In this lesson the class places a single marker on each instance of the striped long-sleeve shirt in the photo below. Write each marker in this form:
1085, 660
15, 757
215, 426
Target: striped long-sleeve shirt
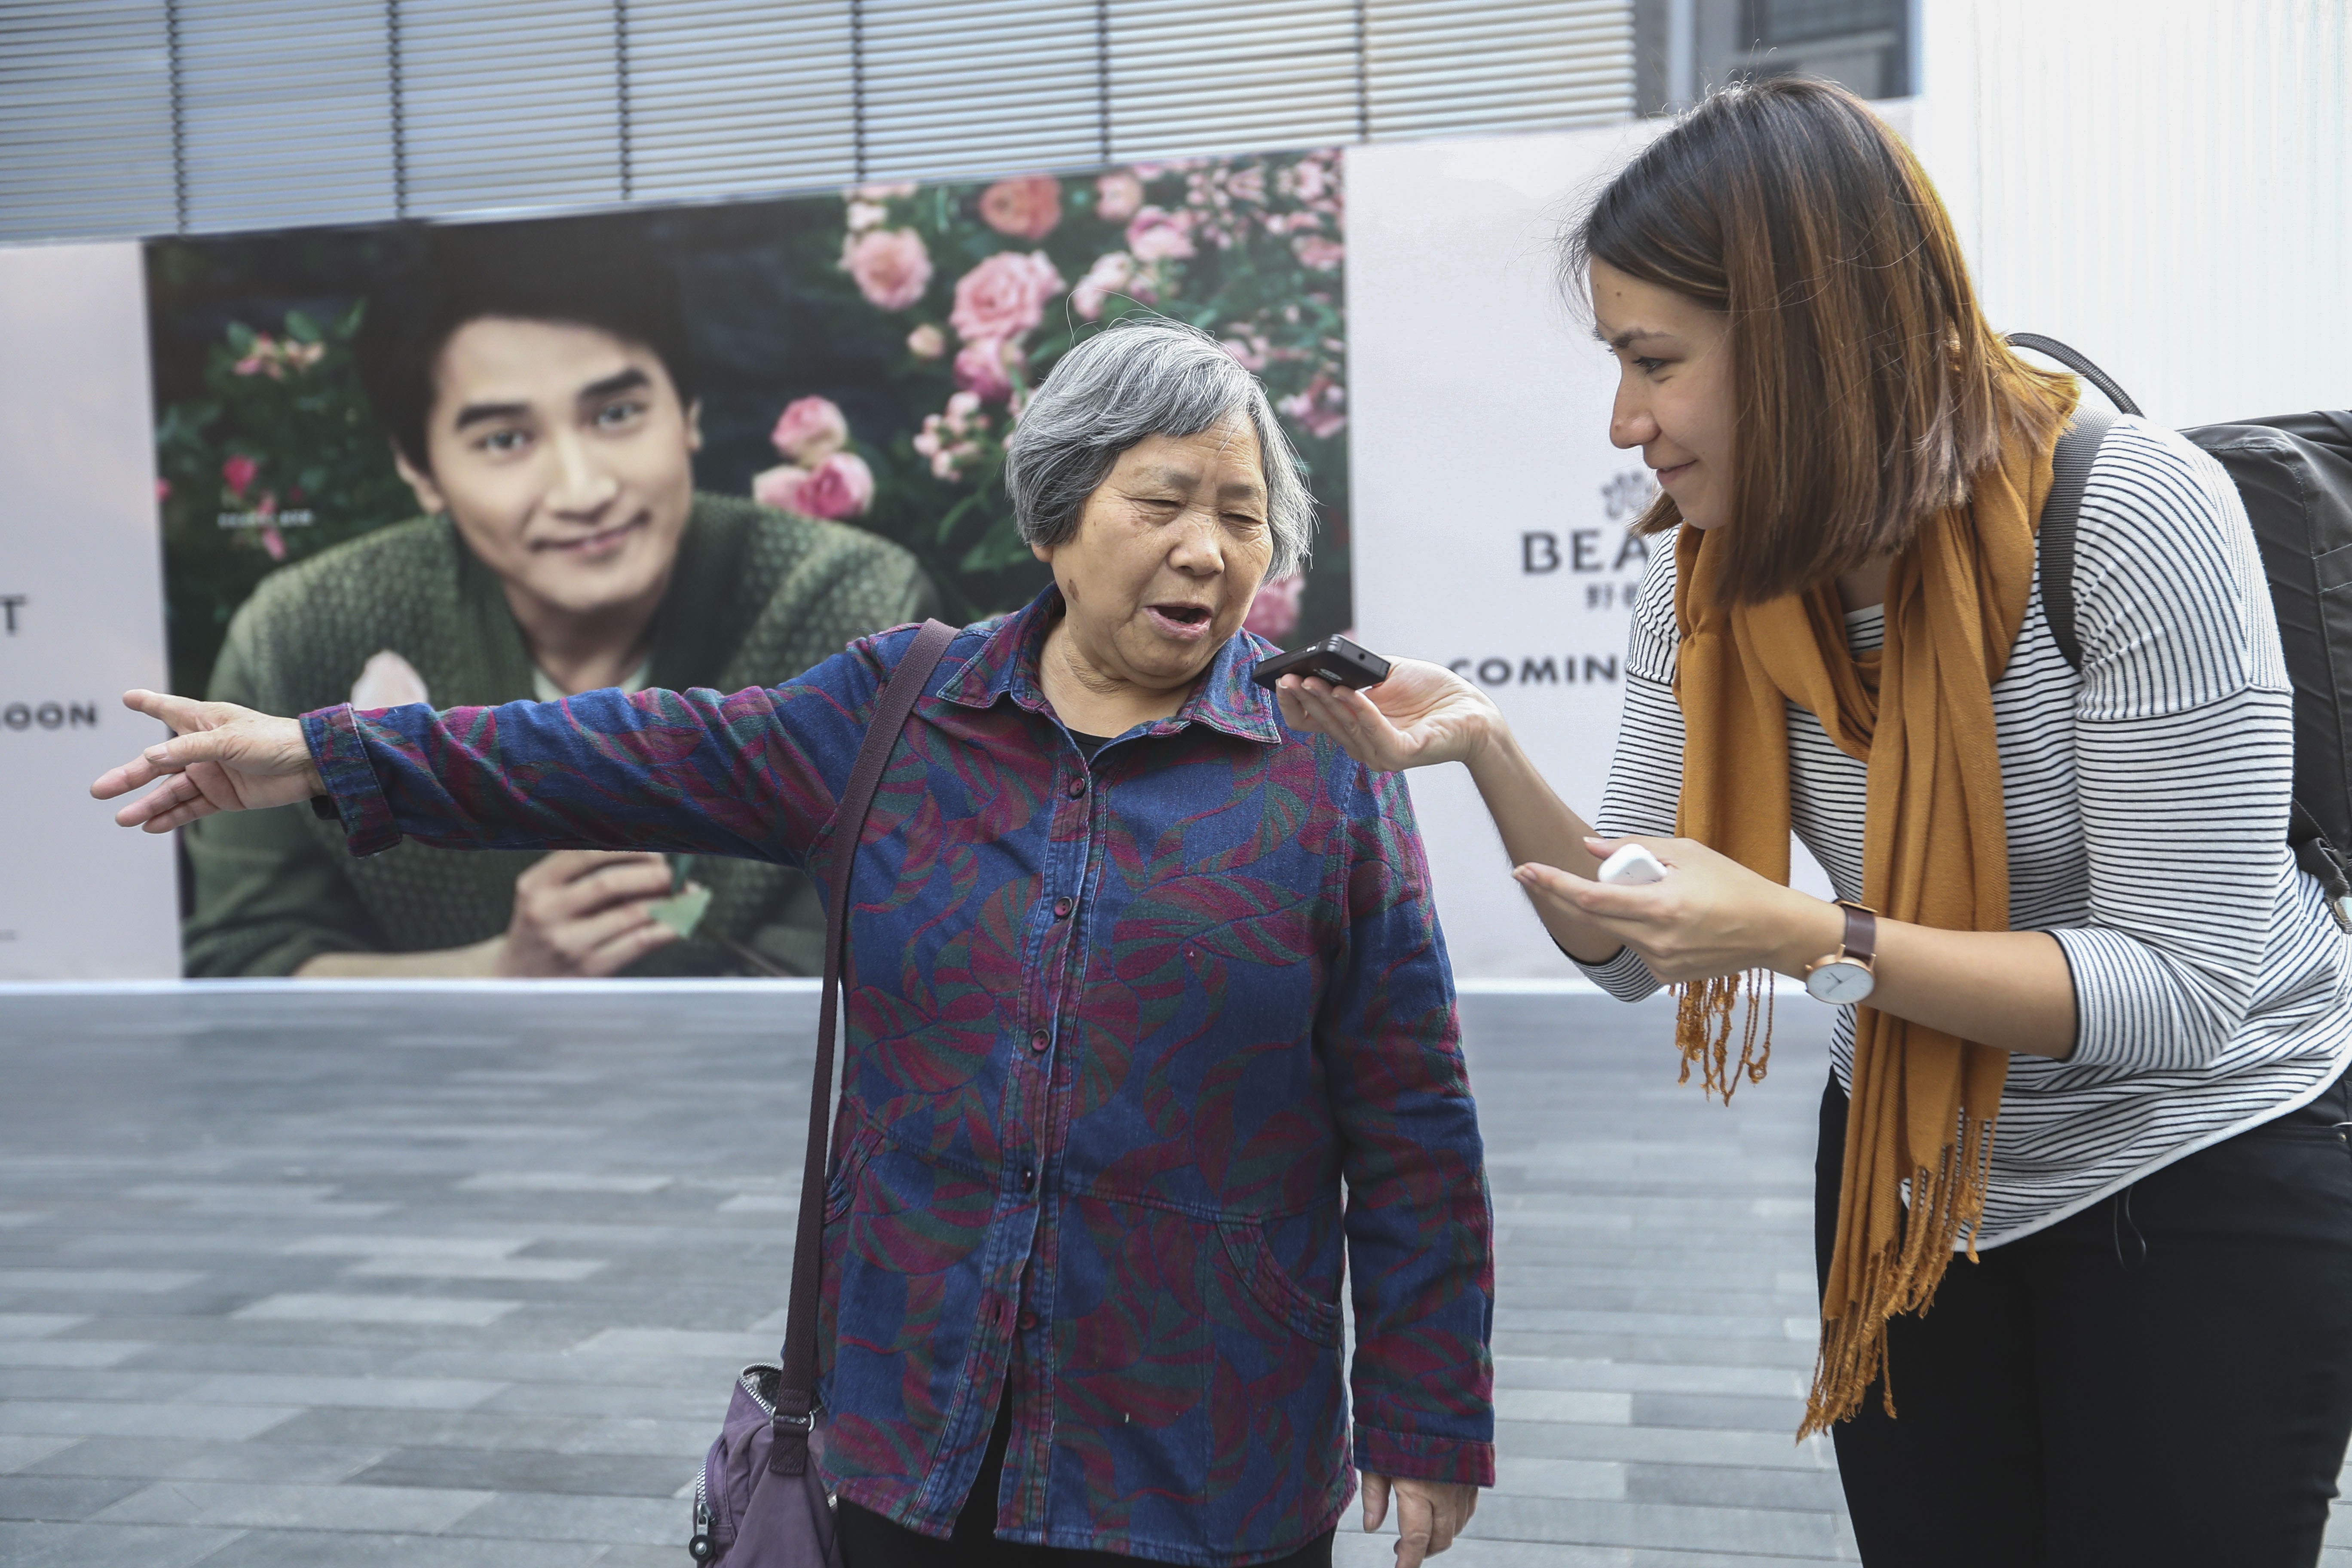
2147, 799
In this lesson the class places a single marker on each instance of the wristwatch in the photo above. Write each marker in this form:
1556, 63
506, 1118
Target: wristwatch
1845, 977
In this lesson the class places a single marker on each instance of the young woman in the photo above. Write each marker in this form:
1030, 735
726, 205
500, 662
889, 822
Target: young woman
2103, 1018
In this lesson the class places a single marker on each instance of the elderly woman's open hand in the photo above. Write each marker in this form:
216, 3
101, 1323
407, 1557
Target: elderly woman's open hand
1422, 713
222, 758
1709, 916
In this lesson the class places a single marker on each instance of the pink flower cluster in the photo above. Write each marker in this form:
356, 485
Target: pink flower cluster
952, 440
1321, 406
819, 478
997, 304
273, 359
1273, 614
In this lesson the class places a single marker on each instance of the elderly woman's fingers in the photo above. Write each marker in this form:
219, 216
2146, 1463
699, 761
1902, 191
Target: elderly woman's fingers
177, 802
1416, 1526
1376, 1501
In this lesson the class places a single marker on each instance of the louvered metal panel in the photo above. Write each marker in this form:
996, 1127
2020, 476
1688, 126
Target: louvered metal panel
979, 86
284, 124
509, 106
85, 119
1452, 67
727, 99
1196, 76
146, 116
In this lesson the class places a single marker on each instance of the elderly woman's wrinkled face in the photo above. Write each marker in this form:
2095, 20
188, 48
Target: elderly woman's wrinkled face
1168, 553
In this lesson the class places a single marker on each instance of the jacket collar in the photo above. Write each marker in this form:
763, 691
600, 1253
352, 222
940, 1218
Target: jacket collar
1226, 700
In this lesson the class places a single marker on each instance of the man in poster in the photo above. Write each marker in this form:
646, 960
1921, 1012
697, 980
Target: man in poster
541, 406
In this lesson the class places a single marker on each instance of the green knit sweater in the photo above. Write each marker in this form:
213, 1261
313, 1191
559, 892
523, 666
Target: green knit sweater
757, 596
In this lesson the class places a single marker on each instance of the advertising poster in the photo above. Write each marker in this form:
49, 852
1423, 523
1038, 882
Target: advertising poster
441, 464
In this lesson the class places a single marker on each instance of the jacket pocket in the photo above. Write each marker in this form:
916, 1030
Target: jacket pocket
1271, 1286
841, 1187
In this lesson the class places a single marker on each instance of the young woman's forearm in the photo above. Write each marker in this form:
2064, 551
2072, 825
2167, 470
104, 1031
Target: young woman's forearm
2009, 989
1536, 825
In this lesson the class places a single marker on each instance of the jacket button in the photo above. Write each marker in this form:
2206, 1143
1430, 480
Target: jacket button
1028, 1178
1028, 1321
1040, 1040
1062, 908
1077, 786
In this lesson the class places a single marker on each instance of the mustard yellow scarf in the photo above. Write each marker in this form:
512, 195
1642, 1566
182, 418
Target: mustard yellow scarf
1919, 716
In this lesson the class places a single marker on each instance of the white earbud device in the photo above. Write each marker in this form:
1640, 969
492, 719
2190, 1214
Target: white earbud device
1630, 866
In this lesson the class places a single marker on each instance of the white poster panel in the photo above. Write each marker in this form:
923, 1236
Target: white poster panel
1491, 512
81, 617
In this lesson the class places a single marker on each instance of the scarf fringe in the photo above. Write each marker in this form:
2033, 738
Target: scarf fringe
1703, 1029
1900, 1277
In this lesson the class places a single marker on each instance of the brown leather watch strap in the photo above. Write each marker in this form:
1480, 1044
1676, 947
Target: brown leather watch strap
1861, 933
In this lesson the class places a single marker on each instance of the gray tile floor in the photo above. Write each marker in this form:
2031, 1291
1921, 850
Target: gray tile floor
445, 1279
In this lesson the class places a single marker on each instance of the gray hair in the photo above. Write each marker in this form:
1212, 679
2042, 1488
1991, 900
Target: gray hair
1140, 376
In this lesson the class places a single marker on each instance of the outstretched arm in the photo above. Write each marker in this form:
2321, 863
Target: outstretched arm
747, 775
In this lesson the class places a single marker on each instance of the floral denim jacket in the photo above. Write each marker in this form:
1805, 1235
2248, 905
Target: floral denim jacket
1119, 1033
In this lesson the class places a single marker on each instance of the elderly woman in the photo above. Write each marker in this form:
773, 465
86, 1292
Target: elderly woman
1142, 975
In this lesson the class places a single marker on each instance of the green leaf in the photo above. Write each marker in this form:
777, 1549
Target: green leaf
240, 338
301, 328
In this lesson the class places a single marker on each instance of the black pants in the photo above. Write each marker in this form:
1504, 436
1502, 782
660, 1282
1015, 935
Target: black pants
2163, 1379
869, 1541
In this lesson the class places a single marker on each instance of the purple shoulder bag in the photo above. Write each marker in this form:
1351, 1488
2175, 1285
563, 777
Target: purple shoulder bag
758, 1502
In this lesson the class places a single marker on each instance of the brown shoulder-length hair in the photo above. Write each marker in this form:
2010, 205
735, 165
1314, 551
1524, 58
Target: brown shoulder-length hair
1869, 389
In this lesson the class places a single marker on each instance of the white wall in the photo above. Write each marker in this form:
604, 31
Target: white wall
2165, 184
79, 559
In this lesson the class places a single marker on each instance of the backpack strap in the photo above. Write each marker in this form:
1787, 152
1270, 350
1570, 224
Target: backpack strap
796, 1384
2070, 471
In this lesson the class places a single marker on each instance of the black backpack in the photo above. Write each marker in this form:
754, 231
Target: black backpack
2294, 474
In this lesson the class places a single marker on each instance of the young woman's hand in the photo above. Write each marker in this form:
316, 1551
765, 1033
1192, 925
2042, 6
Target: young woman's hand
1709, 916
1429, 1513
1422, 713
224, 758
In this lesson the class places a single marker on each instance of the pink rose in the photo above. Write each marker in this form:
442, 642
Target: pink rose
1117, 195
1273, 614
237, 474
1109, 274
1322, 254
162, 491
1026, 206
779, 486
1320, 407
810, 430
840, 486
890, 265
1004, 296
1156, 235
980, 369
927, 341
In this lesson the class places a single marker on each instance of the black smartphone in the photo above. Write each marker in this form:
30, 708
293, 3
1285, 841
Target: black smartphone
1335, 659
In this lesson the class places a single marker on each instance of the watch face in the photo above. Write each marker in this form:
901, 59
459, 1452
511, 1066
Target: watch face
1840, 982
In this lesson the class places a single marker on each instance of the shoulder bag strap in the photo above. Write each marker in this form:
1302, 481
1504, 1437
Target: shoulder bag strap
795, 1388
